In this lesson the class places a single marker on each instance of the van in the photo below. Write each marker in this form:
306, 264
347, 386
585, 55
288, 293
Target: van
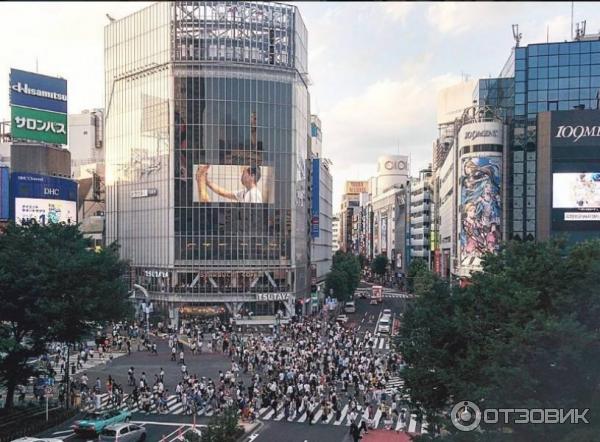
350, 307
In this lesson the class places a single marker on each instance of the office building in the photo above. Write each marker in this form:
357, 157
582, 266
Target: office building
421, 200
335, 234
207, 154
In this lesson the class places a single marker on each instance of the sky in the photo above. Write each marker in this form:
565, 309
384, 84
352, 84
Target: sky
375, 67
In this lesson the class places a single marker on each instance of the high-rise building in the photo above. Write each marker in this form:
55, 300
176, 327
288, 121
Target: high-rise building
335, 234
421, 200
321, 202
350, 205
206, 134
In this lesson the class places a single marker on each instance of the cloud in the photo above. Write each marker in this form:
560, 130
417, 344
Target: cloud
458, 17
389, 116
398, 11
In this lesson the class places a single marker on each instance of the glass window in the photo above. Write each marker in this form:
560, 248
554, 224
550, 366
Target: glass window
542, 95
553, 48
518, 167
573, 82
531, 200
553, 83
595, 46
595, 70
530, 189
595, 58
532, 73
518, 227
520, 53
533, 50
520, 87
563, 60
563, 94
532, 108
530, 225
519, 110
595, 82
585, 58
573, 94
530, 158
574, 48
574, 71
553, 60
518, 155
542, 72
584, 93
584, 70
584, 46
563, 48
532, 96
552, 105
563, 83
532, 85
563, 105
574, 59
563, 71
543, 49
542, 84
520, 65
553, 72
518, 191
518, 179
519, 98
533, 61
553, 94
520, 76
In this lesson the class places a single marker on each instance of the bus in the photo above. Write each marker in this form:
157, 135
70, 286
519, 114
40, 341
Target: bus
377, 295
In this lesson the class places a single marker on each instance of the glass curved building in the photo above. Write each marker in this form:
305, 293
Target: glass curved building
207, 139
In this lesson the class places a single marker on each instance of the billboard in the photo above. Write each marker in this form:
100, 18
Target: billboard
4, 193
384, 233
38, 125
488, 132
238, 184
480, 208
315, 200
38, 107
579, 192
36, 91
43, 198
356, 187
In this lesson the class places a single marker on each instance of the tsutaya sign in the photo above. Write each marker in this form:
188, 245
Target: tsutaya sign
272, 296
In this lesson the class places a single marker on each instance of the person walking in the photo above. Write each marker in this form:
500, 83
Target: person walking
354, 432
181, 358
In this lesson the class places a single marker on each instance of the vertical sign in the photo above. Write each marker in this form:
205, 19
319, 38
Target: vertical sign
316, 163
38, 105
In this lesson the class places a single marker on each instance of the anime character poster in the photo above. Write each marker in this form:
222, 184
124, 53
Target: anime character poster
480, 208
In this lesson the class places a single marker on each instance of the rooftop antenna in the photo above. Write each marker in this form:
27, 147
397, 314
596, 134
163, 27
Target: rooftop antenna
580, 30
516, 35
36, 65
572, 7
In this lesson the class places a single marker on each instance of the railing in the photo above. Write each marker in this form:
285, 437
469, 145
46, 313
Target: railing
31, 421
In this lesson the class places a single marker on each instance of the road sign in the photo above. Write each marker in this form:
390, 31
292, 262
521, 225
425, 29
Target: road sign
49, 391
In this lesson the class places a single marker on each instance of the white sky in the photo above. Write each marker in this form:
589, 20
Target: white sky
375, 67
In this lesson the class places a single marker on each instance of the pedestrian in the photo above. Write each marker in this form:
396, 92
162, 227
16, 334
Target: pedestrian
354, 432
181, 357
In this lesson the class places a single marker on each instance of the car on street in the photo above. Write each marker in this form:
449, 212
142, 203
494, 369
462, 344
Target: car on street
387, 313
342, 319
94, 422
123, 433
384, 325
350, 307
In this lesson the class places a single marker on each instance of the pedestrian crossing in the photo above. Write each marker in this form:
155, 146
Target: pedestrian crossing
411, 423
89, 364
387, 293
380, 343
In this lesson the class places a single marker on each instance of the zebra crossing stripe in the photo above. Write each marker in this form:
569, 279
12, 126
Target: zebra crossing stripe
376, 418
399, 424
381, 342
412, 426
424, 427
342, 415
317, 416
303, 417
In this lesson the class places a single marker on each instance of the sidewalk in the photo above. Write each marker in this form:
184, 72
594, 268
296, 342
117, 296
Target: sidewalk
385, 436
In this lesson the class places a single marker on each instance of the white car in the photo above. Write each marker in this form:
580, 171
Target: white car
384, 325
387, 312
342, 318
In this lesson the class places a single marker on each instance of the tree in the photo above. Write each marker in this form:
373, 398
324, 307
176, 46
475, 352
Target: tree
415, 268
53, 287
363, 261
524, 334
224, 427
344, 276
379, 266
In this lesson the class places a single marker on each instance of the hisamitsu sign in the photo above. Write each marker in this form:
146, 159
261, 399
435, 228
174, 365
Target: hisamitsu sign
29, 89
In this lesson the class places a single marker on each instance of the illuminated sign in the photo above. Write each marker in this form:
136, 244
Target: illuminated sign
357, 187
272, 296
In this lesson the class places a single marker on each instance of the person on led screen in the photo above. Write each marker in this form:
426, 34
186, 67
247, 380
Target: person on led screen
249, 194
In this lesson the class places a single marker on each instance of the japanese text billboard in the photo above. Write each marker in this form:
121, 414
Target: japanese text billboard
238, 184
38, 125
38, 107
43, 198
579, 192
480, 208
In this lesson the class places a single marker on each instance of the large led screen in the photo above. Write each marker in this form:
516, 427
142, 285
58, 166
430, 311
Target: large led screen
238, 184
45, 210
576, 190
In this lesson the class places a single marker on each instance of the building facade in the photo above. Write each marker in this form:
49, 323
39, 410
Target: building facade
335, 234
207, 153
421, 200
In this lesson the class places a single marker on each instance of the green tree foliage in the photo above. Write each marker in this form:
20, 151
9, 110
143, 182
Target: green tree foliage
379, 266
344, 276
224, 427
52, 286
525, 333
415, 268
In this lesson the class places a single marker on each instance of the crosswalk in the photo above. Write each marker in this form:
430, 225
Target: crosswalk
411, 424
89, 364
387, 293
381, 343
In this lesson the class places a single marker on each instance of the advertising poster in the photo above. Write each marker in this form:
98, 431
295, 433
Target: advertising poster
38, 125
480, 208
384, 232
576, 190
238, 184
45, 211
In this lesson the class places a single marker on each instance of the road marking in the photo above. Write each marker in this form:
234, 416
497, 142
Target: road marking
252, 437
376, 418
424, 427
381, 342
303, 417
62, 432
317, 416
167, 424
342, 415
412, 426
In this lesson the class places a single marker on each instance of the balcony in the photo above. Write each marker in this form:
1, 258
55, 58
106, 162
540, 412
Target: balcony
420, 219
419, 242
419, 253
419, 230
425, 206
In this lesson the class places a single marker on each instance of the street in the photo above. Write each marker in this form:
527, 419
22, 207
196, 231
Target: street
209, 365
